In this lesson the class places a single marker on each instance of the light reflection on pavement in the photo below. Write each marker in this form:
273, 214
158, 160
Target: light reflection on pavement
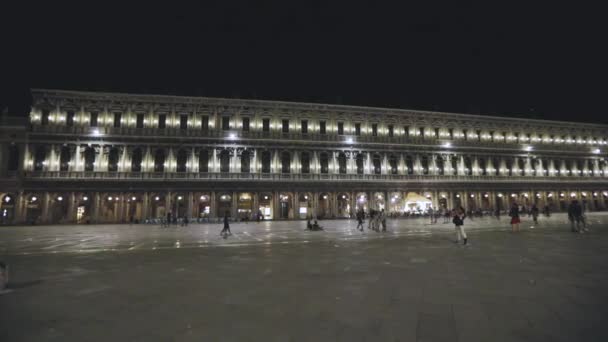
23, 240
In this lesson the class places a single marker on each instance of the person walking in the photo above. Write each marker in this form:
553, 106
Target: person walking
534, 211
431, 214
226, 229
515, 220
458, 220
169, 218
383, 220
360, 216
371, 220
575, 215
497, 214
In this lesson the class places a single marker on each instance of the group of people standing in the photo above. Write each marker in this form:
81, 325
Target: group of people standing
377, 219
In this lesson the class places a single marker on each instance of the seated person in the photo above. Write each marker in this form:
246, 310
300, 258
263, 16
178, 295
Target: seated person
308, 225
316, 226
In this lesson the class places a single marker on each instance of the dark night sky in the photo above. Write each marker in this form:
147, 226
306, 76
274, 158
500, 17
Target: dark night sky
543, 62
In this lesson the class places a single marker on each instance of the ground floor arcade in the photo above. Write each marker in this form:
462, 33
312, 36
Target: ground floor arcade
117, 207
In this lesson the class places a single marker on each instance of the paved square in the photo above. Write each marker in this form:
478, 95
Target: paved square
277, 282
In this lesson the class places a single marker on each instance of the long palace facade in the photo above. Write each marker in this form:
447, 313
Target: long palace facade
109, 157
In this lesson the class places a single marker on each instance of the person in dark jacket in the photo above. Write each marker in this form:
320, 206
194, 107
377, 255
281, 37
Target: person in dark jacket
534, 211
226, 229
514, 213
458, 220
575, 215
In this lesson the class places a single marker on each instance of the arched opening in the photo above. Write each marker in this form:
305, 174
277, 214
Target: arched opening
482, 166
58, 209
323, 210
305, 206
113, 160
180, 206
285, 162
39, 158
13, 157
158, 208
424, 161
305, 162
468, 167
7, 208
159, 160
244, 206
245, 161
64, 159
136, 159
377, 164
341, 163
362, 202
133, 208
225, 161
204, 206
392, 163
203, 161
324, 161
265, 206
224, 205
396, 203
379, 201
182, 161
409, 164
521, 167
285, 206
83, 208
89, 159
344, 209
360, 164
266, 157
440, 165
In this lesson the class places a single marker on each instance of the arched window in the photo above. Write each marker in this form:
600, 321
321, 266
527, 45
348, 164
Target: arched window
136, 160
245, 161
392, 161
509, 165
285, 162
203, 161
360, 164
225, 161
39, 157
409, 164
182, 161
324, 161
482, 165
266, 161
305, 162
113, 160
467, 165
521, 166
89, 159
377, 162
13, 158
64, 159
440, 165
159, 161
424, 161
342, 163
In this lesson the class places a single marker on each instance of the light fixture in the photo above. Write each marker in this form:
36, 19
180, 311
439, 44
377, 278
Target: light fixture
472, 195
305, 196
265, 197
84, 198
156, 198
34, 198
203, 198
110, 198
513, 195
485, 195
60, 198
457, 195
343, 196
179, 198
499, 195
7, 199
133, 198
324, 196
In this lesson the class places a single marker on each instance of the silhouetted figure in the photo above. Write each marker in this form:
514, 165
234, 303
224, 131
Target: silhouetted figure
226, 229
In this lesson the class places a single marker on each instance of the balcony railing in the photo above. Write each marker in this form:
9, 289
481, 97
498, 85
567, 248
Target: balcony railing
192, 176
347, 139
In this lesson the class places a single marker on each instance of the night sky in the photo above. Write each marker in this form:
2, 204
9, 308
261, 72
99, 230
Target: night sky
535, 62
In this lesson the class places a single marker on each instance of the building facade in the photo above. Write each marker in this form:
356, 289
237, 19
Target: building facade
108, 157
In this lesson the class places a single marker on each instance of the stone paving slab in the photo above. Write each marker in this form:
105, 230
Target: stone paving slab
539, 285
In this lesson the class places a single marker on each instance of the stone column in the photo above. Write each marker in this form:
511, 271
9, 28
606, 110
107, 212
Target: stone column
3, 159
190, 202
169, 204
256, 203
71, 208
96, 208
46, 199
212, 205
234, 206
275, 205
296, 205
145, 206
450, 200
